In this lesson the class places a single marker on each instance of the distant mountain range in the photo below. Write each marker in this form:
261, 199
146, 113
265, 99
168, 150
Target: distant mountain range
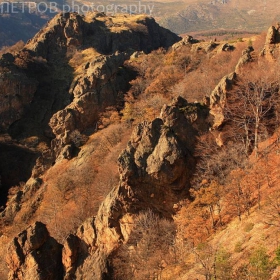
224, 14
20, 26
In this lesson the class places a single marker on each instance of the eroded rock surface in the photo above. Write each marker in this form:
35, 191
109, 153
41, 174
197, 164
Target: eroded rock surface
43, 95
217, 98
244, 59
34, 255
155, 169
272, 41
154, 174
49, 102
97, 88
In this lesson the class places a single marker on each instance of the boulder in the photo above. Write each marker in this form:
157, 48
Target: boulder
271, 35
33, 254
271, 42
187, 40
244, 59
217, 98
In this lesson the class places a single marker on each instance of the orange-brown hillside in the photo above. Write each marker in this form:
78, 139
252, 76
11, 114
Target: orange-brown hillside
153, 157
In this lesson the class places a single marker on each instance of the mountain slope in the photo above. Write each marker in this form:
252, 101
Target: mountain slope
110, 205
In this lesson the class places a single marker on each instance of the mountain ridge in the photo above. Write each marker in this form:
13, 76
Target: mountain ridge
128, 170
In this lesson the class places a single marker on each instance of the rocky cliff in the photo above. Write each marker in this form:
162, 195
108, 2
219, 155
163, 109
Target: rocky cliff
272, 41
78, 65
217, 98
53, 90
46, 57
154, 172
34, 255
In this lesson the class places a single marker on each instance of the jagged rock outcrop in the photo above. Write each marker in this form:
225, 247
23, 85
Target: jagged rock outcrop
44, 98
158, 150
187, 40
244, 59
271, 41
155, 169
217, 98
273, 36
34, 255
51, 48
105, 34
73, 102
93, 91
78, 247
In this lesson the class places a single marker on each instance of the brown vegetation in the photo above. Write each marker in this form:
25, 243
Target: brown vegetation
235, 183
185, 72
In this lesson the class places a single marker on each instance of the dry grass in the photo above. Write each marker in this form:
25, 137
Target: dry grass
3, 248
120, 22
74, 189
241, 238
80, 58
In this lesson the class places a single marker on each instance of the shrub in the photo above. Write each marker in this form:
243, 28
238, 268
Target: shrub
248, 227
259, 265
277, 253
148, 250
238, 247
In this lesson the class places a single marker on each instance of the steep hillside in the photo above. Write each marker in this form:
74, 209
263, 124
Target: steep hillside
65, 84
145, 155
67, 75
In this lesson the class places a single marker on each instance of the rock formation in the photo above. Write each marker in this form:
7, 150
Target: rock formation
99, 31
94, 90
73, 102
272, 40
49, 101
272, 36
46, 104
154, 174
187, 40
155, 169
34, 255
217, 98
244, 59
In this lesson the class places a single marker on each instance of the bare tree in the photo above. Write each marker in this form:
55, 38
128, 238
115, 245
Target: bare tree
206, 256
252, 104
148, 250
271, 213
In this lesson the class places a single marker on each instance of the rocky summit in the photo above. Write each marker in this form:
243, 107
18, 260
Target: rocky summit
63, 78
